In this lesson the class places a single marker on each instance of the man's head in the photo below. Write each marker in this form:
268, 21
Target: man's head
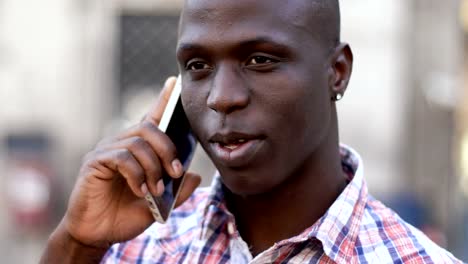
258, 81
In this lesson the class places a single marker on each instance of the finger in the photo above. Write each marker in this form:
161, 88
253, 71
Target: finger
191, 182
156, 111
139, 209
123, 162
160, 143
145, 156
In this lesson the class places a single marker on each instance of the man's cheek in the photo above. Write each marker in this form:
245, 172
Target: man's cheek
196, 119
193, 114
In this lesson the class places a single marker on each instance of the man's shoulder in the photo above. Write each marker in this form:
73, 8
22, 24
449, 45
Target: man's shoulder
385, 235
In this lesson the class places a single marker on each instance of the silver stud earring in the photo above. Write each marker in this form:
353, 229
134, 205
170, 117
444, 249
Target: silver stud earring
337, 97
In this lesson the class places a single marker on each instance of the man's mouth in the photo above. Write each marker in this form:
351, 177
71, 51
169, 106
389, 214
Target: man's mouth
235, 149
232, 139
233, 145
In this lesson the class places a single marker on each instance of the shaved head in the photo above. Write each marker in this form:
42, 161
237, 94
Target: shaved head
327, 13
320, 18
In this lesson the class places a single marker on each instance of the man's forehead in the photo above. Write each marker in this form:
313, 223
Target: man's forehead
227, 22
214, 5
210, 9
319, 17
303, 21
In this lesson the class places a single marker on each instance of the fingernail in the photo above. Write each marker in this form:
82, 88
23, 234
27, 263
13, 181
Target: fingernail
159, 188
144, 189
177, 167
168, 81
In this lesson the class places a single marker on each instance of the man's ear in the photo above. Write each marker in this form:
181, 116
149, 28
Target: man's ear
341, 68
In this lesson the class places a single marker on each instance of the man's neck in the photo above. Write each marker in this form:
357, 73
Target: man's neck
293, 206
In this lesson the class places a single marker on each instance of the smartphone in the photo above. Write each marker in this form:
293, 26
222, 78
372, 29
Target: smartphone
175, 124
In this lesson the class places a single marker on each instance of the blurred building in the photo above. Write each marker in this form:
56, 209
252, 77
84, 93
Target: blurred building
73, 71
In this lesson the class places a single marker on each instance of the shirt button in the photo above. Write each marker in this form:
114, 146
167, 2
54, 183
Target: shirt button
230, 227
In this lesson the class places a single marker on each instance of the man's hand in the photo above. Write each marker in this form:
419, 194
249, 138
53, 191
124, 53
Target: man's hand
107, 204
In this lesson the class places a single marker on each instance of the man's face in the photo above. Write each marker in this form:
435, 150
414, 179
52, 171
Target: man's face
255, 88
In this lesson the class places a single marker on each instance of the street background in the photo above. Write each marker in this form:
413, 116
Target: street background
73, 71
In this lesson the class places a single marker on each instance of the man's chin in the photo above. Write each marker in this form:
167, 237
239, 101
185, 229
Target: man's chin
246, 186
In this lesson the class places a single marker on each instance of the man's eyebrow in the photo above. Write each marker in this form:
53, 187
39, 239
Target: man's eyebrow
189, 46
263, 41
183, 47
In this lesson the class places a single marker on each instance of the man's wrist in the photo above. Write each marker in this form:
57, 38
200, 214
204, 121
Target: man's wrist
64, 248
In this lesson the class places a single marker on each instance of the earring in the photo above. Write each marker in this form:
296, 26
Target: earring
337, 97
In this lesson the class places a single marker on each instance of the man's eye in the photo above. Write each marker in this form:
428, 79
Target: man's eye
197, 66
256, 60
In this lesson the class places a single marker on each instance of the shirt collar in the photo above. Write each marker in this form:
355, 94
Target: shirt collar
337, 230
339, 227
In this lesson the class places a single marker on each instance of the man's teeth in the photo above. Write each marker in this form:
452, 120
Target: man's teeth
231, 147
235, 145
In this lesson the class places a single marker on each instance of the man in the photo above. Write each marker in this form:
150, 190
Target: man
260, 83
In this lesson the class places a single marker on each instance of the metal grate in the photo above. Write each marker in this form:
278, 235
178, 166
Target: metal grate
147, 51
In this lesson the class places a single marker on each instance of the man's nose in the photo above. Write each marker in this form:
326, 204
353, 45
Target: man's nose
229, 91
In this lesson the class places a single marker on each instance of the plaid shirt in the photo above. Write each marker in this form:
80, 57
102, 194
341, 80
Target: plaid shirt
356, 229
